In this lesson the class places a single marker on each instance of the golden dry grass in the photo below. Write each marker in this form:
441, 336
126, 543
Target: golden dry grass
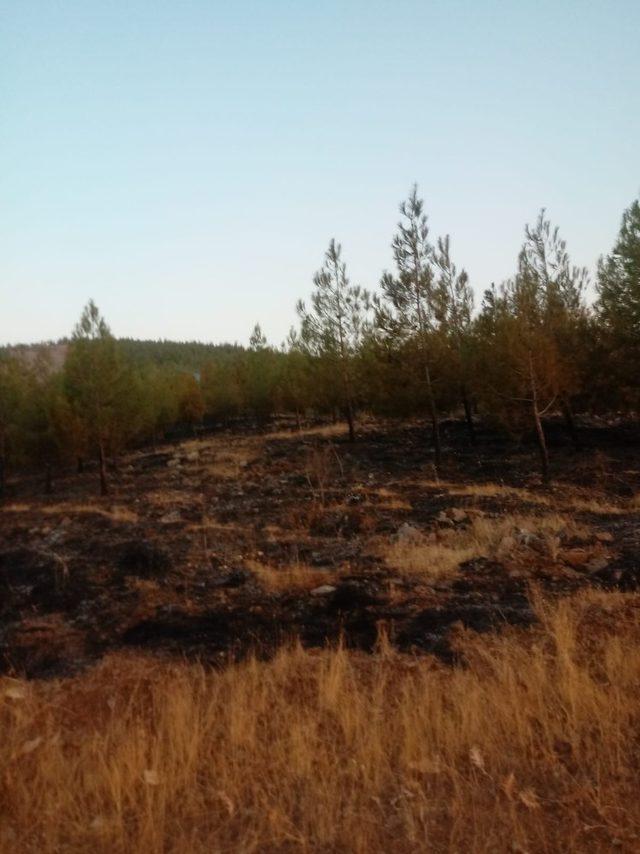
532, 747
294, 576
322, 431
566, 499
117, 513
230, 463
438, 555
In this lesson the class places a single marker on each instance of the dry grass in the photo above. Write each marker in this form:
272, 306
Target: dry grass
230, 463
389, 500
566, 499
439, 554
115, 513
295, 576
532, 747
323, 431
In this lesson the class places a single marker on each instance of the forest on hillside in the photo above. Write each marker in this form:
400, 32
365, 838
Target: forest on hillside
417, 347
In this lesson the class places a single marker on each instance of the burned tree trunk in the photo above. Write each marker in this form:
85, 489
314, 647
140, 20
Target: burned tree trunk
468, 414
435, 422
535, 411
104, 486
570, 423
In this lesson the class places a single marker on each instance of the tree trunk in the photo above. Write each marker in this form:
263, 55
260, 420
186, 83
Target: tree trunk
435, 423
570, 423
48, 479
350, 420
80, 465
467, 414
535, 411
298, 424
2, 475
104, 487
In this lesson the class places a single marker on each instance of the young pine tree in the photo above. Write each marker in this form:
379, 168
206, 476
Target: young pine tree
559, 292
619, 302
332, 329
96, 386
408, 307
453, 298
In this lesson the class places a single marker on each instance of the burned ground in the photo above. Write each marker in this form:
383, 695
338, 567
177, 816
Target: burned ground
241, 541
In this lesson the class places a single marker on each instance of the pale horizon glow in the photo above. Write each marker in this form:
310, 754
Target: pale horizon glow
186, 164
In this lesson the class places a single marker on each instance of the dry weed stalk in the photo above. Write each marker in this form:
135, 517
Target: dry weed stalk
533, 742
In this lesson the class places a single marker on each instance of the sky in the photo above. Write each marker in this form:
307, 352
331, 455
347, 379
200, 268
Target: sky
185, 164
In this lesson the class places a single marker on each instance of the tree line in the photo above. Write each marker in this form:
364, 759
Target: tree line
418, 346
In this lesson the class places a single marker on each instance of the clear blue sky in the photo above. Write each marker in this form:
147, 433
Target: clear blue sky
186, 163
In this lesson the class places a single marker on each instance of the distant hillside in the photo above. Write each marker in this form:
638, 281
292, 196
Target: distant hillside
190, 355
182, 354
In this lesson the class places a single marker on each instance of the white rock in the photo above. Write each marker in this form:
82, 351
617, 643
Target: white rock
323, 590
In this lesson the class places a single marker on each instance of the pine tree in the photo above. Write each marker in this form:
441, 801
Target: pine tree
453, 299
558, 288
96, 384
332, 329
619, 300
10, 398
408, 308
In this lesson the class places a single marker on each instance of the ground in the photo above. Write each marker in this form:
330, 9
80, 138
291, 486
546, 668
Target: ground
240, 541
401, 662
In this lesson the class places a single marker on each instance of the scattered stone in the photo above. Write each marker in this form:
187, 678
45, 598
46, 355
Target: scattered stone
604, 536
171, 517
408, 534
507, 545
597, 564
233, 579
323, 590
576, 558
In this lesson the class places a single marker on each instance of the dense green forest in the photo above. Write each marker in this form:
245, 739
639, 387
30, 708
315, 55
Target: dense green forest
417, 346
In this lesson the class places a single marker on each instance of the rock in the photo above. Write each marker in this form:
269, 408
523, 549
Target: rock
507, 545
458, 515
174, 463
444, 519
58, 535
323, 590
235, 578
192, 457
604, 537
597, 564
171, 517
576, 558
530, 540
408, 534
143, 559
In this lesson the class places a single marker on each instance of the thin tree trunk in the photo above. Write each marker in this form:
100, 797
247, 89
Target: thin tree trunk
542, 442
350, 420
298, 424
48, 479
467, 413
2, 475
80, 465
104, 487
570, 423
435, 423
